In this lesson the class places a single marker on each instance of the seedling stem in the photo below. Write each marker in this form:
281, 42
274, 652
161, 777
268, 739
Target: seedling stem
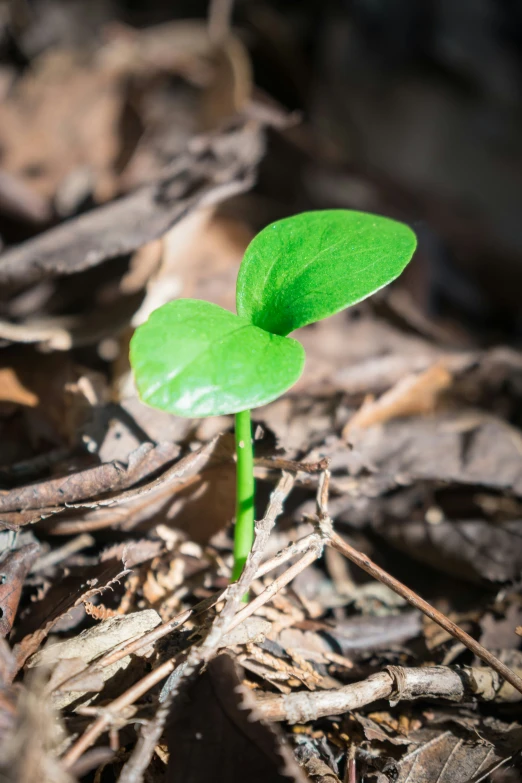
244, 533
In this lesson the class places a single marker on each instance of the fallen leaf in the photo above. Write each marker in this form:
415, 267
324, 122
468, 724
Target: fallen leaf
159, 498
61, 115
85, 648
447, 758
469, 549
468, 447
81, 583
216, 167
212, 734
412, 396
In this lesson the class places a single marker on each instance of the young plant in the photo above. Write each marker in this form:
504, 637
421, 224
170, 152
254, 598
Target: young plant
193, 358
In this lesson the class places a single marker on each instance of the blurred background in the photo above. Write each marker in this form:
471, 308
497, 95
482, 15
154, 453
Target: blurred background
409, 109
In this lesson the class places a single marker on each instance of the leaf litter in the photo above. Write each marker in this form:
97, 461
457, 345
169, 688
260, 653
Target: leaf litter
127, 656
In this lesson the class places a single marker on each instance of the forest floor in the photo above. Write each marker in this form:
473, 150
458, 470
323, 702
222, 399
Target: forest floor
135, 168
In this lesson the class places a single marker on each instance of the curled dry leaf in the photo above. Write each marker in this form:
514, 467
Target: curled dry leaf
111, 476
194, 481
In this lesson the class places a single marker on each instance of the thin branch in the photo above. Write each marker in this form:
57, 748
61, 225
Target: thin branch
324, 524
291, 466
275, 586
364, 562
135, 766
395, 683
303, 545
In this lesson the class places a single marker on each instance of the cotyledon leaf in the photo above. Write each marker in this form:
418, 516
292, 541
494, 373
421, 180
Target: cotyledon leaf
310, 266
193, 358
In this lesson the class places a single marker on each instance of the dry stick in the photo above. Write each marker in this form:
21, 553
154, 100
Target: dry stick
59, 554
203, 652
395, 683
364, 562
131, 695
275, 586
291, 466
136, 765
300, 546
133, 770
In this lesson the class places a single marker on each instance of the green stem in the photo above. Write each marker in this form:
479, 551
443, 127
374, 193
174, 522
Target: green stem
244, 532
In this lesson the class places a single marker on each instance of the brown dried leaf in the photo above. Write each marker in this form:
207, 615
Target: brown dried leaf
70, 657
468, 447
62, 596
469, 549
213, 736
29, 748
159, 498
62, 115
411, 396
98, 640
447, 759
215, 168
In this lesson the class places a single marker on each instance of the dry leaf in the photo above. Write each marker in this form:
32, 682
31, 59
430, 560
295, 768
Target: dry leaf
413, 396
215, 168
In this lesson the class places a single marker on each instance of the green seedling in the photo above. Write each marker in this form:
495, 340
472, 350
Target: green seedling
193, 358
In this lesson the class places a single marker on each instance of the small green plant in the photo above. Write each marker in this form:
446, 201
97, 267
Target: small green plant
193, 358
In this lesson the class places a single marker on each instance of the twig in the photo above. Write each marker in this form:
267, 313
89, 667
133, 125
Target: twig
303, 545
59, 554
395, 683
291, 466
201, 654
116, 707
351, 768
364, 562
275, 586
128, 648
